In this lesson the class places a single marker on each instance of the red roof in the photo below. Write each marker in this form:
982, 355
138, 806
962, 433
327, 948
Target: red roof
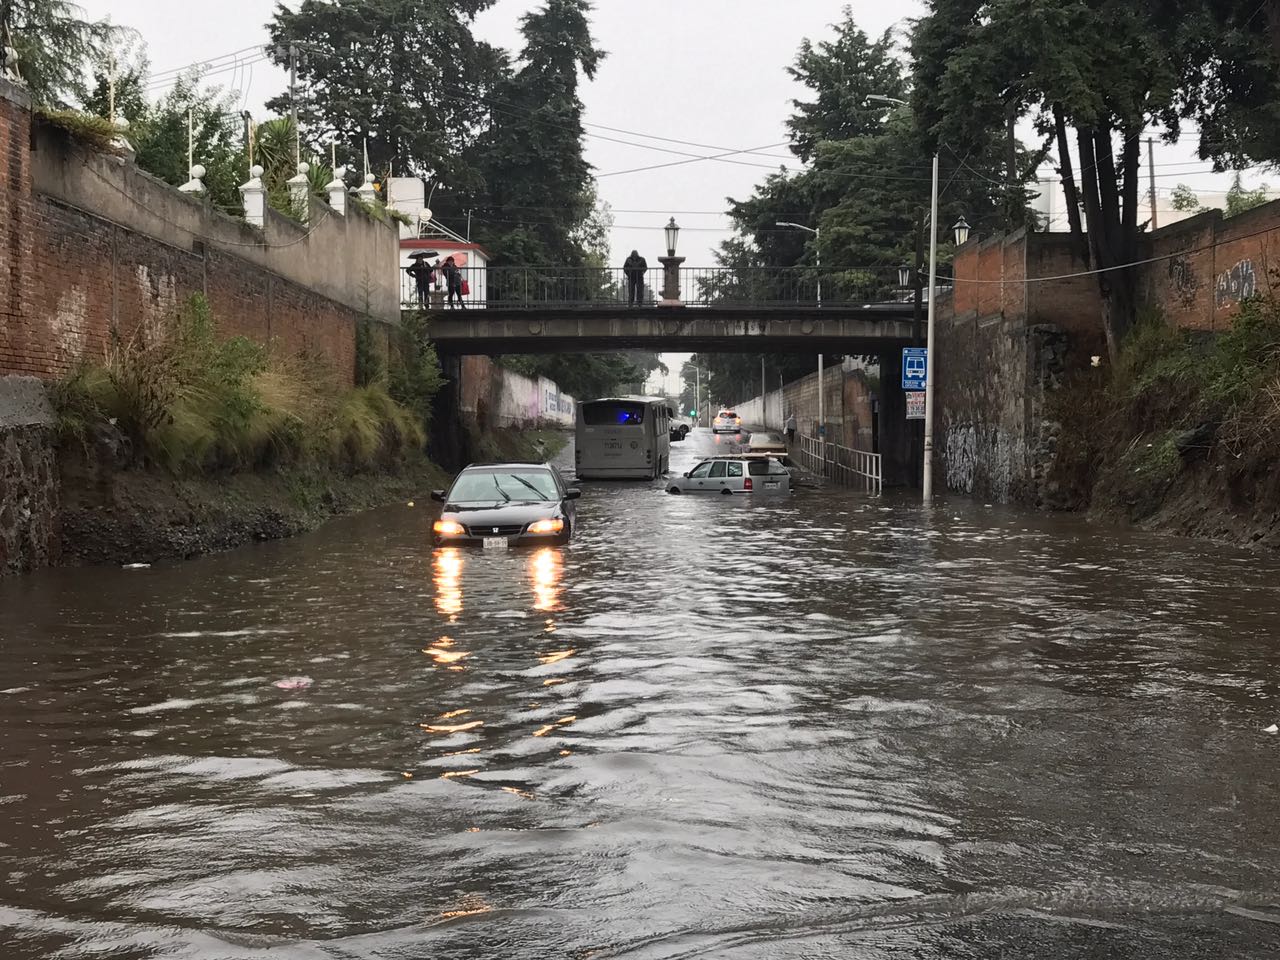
443, 243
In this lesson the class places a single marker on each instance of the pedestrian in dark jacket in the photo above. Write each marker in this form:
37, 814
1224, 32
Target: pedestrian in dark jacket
424, 277
452, 283
634, 268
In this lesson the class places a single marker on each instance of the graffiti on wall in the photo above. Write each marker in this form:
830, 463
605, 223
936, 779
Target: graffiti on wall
1238, 283
1183, 280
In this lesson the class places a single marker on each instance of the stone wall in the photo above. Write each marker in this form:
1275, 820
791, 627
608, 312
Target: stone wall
849, 406
29, 534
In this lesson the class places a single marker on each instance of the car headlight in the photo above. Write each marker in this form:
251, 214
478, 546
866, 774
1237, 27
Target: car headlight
448, 528
555, 525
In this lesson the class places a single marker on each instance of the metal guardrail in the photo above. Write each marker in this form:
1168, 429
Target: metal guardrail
533, 287
843, 465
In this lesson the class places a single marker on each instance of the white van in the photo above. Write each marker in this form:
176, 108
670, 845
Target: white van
623, 438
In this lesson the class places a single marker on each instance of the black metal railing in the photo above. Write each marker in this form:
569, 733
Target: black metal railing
532, 287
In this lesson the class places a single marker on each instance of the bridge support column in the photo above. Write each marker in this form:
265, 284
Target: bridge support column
670, 281
901, 440
448, 443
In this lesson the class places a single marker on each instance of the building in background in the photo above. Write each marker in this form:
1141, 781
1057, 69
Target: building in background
408, 196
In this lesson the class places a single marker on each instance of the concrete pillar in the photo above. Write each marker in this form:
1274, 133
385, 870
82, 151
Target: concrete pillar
670, 281
254, 196
337, 191
300, 192
195, 185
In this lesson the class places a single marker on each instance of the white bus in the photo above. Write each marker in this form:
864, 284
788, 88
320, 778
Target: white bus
623, 438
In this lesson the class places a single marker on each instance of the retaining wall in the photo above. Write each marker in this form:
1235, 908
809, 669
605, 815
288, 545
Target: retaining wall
29, 494
497, 397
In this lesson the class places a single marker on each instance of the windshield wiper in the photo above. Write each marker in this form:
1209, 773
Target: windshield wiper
540, 494
499, 488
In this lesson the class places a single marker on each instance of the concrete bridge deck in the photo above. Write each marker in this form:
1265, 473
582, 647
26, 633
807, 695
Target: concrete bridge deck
869, 328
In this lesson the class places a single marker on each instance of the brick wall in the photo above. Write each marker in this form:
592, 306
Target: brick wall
90, 245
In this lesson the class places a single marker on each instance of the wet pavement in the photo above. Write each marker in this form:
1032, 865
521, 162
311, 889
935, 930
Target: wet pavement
817, 726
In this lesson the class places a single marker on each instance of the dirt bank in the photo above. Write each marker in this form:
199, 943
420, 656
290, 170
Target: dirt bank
114, 514
1182, 435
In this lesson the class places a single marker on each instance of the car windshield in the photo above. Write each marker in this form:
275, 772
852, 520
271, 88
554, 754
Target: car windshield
612, 413
486, 486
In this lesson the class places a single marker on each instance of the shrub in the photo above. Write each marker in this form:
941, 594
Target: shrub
191, 402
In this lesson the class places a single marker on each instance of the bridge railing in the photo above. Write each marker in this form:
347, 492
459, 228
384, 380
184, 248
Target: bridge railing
534, 287
843, 465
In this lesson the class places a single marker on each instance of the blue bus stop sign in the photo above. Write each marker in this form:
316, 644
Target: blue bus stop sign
915, 367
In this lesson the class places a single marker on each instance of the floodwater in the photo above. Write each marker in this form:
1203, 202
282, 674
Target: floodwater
815, 727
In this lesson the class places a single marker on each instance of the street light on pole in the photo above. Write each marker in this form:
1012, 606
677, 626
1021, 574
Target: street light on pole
817, 253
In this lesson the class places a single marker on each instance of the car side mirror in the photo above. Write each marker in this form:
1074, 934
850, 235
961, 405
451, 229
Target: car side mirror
573, 493
437, 496
688, 475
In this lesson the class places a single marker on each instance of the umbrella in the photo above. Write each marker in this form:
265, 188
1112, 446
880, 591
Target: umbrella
423, 253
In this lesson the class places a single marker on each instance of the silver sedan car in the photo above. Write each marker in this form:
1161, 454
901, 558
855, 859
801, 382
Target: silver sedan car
734, 475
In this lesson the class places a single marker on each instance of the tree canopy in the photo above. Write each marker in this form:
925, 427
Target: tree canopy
403, 75
55, 46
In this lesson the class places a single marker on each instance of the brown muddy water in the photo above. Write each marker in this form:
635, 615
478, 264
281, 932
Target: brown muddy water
820, 726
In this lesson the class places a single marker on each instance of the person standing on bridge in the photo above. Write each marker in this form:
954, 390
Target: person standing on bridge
634, 268
452, 283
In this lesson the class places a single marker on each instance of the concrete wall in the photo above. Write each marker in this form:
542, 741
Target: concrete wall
848, 401
498, 397
28, 477
93, 246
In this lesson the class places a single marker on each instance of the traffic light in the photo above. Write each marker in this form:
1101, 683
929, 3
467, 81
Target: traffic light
693, 413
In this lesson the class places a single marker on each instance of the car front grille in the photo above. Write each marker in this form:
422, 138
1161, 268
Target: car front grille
502, 530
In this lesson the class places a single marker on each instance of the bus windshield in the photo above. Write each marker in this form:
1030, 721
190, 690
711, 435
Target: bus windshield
613, 413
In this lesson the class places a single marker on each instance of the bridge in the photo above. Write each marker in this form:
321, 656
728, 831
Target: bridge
753, 310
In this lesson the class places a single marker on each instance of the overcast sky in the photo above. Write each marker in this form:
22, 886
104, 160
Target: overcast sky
710, 72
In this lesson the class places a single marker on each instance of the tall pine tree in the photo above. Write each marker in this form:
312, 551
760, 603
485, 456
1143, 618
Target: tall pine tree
405, 74
538, 193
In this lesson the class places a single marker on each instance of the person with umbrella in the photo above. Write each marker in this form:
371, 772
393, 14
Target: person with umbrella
424, 275
454, 284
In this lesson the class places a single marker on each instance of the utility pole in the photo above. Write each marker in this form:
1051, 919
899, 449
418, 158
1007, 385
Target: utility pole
697, 395
111, 87
917, 283
191, 140
292, 54
247, 117
1151, 175
931, 371
763, 386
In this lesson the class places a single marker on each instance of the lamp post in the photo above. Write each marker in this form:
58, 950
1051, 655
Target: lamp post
671, 267
817, 254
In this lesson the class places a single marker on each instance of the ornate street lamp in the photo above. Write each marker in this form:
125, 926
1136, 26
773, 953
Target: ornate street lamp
672, 231
904, 276
961, 231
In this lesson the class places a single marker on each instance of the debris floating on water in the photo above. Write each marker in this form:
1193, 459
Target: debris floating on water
294, 683
410, 503
136, 566
1272, 729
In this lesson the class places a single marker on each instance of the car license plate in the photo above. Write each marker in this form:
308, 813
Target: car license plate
495, 543
772, 484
